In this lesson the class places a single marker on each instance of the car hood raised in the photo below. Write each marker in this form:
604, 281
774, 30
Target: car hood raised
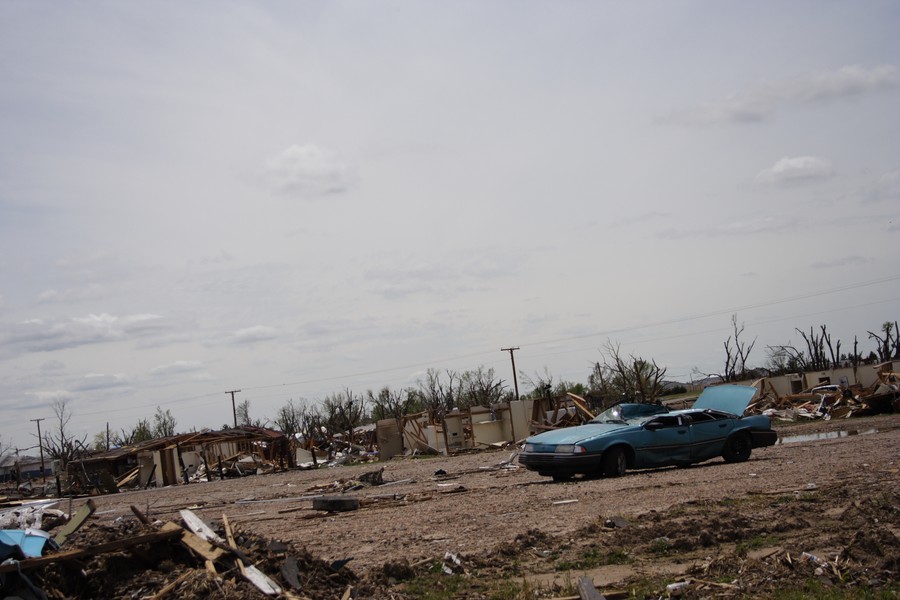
726, 398
573, 435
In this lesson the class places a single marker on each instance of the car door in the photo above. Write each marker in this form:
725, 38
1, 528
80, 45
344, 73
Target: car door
709, 430
664, 440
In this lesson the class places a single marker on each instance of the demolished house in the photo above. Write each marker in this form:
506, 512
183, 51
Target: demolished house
835, 394
477, 427
178, 459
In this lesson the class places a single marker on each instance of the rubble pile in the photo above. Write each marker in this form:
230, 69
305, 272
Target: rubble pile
829, 401
137, 558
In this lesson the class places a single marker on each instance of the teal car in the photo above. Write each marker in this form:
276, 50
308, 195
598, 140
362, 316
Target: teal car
641, 436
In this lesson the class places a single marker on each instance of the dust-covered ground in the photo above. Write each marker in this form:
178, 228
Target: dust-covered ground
475, 525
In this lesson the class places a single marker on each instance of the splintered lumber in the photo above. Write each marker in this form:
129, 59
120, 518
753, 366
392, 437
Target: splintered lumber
262, 582
581, 404
171, 586
140, 515
129, 477
201, 547
196, 524
229, 535
75, 524
147, 538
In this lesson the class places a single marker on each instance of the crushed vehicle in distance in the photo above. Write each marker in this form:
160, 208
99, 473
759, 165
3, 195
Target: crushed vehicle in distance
640, 436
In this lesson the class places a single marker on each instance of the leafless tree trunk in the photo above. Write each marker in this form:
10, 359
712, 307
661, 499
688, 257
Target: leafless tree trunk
627, 379
889, 345
58, 441
736, 356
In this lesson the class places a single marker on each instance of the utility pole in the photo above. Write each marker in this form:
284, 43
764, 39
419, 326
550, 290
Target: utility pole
233, 409
512, 357
41, 446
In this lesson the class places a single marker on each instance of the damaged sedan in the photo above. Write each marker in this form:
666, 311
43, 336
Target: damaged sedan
640, 436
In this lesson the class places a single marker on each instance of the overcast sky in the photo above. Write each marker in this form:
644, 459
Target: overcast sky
294, 198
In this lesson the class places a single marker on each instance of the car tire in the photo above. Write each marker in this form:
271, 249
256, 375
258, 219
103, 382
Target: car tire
737, 448
614, 462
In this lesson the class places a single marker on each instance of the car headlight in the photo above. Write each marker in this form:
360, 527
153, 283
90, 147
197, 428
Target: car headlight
529, 447
570, 449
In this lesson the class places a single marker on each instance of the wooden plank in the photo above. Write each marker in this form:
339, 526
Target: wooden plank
141, 516
148, 538
198, 545
262, 581
229, 535
587, 591
171, 586
76, 522
199, 527
581, 403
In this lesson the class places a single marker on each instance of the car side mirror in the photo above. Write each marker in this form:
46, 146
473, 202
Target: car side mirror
653, 426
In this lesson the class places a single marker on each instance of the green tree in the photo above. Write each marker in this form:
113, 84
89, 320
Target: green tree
163, 423
393, 404
141, 432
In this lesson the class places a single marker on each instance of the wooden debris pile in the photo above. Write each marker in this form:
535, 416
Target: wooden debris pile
137, 558
828, 401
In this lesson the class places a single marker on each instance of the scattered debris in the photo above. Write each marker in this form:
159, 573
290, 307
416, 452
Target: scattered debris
829, 401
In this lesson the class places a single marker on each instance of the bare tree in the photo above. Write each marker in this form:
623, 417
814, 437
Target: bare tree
815, 344
343, 412
480, 388
59, 443
889, 345
736, 355
289, 420
785, 358
440, 397
626, 379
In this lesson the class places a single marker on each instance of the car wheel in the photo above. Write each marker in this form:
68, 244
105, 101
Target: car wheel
737, 448
561, 477
614, 462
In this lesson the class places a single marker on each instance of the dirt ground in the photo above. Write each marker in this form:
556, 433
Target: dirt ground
476, 525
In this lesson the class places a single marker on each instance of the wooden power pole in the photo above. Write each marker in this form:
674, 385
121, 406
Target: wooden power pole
233, 408
41, 446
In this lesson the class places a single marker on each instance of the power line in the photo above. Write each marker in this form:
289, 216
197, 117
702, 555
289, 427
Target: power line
608, 332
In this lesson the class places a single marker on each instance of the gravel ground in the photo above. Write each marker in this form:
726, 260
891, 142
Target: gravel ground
473, 503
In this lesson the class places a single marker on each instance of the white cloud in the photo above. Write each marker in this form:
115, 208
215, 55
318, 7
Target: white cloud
308, 170
176, 368
99, 381
796, 169
760, 102
45, 335
50, 396
89, 292
885, 189
843, 261
258, 333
